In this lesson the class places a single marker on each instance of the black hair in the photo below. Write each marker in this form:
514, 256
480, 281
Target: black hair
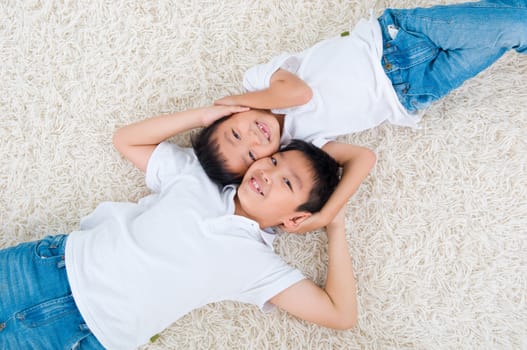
213, 162
325, 168
325, 174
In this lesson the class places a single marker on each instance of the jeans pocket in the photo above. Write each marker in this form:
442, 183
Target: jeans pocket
50, 249
47, 312
411, 49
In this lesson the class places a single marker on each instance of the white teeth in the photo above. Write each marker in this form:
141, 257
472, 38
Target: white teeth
255, 184
260, 126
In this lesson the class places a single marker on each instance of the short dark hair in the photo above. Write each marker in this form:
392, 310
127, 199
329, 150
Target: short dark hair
325, 174
325, 168
213, 162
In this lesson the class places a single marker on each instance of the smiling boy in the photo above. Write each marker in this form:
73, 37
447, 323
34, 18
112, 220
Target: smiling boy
134, 268
386, 69
227, 146
248, 136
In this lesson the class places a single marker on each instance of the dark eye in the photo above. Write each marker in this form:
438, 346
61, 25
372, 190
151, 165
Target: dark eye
251, 155
273, 160
288, 183
235, 134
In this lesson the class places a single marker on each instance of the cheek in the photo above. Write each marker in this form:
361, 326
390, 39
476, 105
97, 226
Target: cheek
280, 204
268, 150
233, 160
233, 166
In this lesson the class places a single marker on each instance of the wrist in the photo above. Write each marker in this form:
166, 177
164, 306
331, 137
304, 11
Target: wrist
336, 226
336, 223
231, 100
323, 218
235, 100
205, 117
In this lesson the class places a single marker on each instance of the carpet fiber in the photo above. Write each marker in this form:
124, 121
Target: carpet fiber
437, 231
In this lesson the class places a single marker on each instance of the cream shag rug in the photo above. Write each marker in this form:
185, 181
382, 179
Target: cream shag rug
437, 231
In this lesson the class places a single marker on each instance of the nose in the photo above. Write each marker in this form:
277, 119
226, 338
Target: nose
266, 176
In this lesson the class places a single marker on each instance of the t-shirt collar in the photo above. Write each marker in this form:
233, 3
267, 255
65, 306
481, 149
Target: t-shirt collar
268, 234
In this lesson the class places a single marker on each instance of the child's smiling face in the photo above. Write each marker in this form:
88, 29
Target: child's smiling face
274, 187
247, 136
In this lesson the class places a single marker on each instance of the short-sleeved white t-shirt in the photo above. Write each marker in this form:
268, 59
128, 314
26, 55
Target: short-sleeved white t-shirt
351, 91
135, 268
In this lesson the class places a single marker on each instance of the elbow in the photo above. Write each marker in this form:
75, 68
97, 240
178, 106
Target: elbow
350, 324
346, 318
346, 322
299, 93
115, 139
304, 95
372, 158
118, 140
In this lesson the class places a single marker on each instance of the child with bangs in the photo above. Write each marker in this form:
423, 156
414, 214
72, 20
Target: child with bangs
132, 269
387, 69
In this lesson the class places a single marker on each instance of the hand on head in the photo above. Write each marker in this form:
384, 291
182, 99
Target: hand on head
213, 113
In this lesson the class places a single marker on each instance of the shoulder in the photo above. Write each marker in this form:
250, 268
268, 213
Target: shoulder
169, 160
168, 154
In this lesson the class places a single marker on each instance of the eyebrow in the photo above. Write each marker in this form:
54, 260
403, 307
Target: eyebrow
296, 178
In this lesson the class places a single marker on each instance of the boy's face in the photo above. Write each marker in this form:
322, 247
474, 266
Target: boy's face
274, 187
247, 136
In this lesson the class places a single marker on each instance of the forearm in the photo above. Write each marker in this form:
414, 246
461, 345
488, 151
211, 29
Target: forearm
356, 163
352, 176
275, 97
285, 90
137, 141
340, 282
154, 130
335, 305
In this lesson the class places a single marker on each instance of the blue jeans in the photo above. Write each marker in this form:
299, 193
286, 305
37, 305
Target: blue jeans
428, 52
37, 310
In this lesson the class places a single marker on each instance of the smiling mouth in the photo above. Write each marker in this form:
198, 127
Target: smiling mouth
264, 129
255, 186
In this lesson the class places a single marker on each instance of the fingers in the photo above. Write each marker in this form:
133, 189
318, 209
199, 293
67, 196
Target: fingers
228, 110
237, 109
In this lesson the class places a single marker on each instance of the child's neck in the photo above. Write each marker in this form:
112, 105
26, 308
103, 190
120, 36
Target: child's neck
238, 210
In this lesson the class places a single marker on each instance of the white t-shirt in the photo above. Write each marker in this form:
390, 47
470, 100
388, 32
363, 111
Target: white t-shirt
135, 268
351, 91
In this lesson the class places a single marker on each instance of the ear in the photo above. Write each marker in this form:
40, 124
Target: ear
290, 224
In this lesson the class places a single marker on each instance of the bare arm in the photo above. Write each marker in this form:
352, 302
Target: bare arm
137, 141
356, 163
335, 305
285, 90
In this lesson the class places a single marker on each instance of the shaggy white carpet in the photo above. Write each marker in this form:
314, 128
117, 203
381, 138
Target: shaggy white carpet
437, 231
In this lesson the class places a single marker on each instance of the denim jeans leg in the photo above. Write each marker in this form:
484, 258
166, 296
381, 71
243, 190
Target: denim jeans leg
31, 270
466, 39
37, 310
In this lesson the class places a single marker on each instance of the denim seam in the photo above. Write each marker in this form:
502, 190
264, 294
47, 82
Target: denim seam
22, 316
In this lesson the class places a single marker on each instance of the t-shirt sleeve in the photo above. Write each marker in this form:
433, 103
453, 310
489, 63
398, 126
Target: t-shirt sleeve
277, 277
167, 162
320, 141
259, 76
